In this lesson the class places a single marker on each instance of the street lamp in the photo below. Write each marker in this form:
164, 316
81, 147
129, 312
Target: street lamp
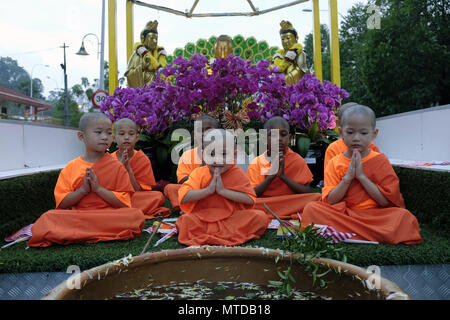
31, 82
310, 10
100, 51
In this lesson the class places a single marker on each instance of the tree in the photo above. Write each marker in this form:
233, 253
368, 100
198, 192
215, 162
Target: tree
404, 65
325, 49
15, 77
56, 99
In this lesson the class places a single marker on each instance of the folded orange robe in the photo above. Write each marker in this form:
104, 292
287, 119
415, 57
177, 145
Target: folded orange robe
358, 212
216, 220
91, 219
278, 196
189, 160
338, 147
150, 202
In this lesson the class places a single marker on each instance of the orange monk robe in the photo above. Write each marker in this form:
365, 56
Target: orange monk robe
216, 220
358, 212
189, 161
150, 202
338, 147
92, 219
278, 196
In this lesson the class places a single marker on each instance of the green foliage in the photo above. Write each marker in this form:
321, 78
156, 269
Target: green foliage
325, 50
248, 49
24, 199
17, 78
426, 195
404, 65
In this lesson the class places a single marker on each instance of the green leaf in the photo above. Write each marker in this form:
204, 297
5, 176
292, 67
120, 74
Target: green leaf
303, 144
313, 130
276, 283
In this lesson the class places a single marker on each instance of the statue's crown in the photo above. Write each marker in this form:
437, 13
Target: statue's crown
286, 25
151, 25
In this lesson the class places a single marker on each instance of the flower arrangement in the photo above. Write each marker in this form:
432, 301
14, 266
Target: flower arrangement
232, 90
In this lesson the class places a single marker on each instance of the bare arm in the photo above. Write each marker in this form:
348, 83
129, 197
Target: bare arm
338, 193
195, 195
103, 193
262, 187
294, 186
232, 195
74, 197
123, 158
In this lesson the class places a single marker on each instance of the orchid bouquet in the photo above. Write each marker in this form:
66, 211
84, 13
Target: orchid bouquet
232, 90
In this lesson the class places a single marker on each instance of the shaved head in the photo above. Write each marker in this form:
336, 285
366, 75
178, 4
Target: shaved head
359, 110
344, 107
275, 122
87, 119
212, 120
124, 121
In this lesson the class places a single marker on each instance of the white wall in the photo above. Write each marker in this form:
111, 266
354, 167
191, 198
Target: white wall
31, 145
421, 135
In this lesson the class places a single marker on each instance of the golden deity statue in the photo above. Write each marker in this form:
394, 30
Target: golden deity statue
223, 47
147, 58
291, 60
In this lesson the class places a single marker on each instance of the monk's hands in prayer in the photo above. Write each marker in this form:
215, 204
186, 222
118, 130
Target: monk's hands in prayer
351, 171
212, 185
122, 155
281, 165
219, 183
359, 173
86, 187
92, 177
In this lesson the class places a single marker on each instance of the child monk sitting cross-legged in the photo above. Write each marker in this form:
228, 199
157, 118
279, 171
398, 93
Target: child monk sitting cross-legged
362, 192
190, 159
285, 191
217, 199
139, 169
93, 194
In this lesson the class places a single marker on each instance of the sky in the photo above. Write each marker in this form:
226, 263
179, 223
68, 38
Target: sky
33, 32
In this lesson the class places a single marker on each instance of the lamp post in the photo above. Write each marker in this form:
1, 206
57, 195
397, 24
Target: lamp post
310, 10
31, 82
100, 51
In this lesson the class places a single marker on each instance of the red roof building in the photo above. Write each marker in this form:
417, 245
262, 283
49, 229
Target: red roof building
11, 95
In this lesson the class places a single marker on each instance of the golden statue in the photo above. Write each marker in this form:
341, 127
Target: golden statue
291, 60
147, 58
223, 47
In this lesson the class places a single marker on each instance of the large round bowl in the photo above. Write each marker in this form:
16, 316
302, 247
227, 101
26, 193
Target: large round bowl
211, 263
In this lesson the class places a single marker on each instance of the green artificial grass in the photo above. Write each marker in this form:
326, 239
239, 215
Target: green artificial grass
431, 209
434, 249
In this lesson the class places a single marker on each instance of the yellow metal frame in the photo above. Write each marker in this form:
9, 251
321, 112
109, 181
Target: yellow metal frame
112, 27
334, 41
317, 42
130, 28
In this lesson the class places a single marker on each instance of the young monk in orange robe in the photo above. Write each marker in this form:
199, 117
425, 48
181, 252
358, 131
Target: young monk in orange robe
139, 169
362, 192
338, 146
285, 191
217, 200
190, 159
93, 195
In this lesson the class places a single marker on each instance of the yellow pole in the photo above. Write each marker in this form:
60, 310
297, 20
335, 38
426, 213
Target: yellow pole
317, 44
129, 18
113, 71
334, 44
